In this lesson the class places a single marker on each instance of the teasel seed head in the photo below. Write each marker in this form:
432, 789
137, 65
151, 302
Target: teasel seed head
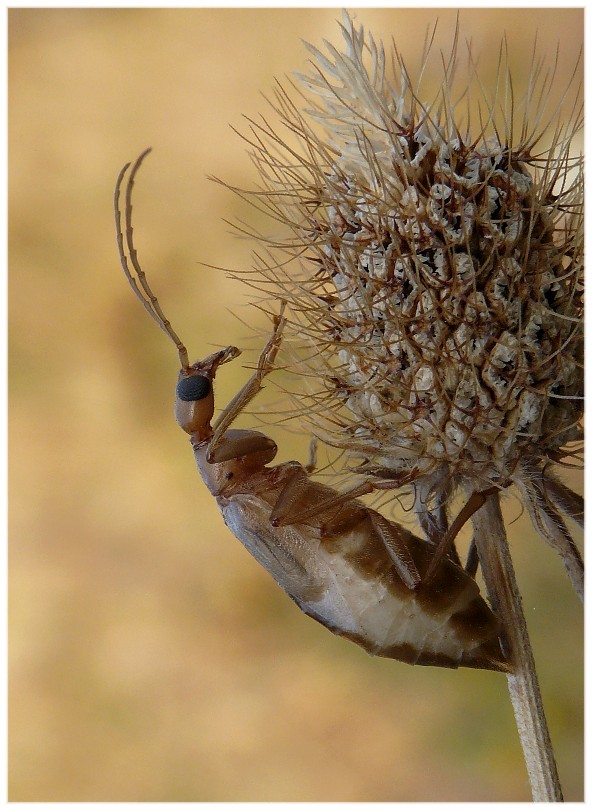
434, 267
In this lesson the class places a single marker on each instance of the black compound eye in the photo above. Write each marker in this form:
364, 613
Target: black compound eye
190, 389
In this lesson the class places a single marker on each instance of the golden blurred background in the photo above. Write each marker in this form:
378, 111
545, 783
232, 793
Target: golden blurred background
151, 659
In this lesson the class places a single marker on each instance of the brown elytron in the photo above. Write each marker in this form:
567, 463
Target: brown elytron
344, 564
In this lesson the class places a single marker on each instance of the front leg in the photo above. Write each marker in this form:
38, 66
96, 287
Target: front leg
237, 443
239, 402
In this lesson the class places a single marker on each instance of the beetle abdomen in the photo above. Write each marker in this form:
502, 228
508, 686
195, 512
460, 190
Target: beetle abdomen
444, 623
349, 584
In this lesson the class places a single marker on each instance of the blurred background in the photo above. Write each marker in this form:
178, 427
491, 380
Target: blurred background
151, 659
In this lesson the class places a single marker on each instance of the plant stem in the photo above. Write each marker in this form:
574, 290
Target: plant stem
500, 580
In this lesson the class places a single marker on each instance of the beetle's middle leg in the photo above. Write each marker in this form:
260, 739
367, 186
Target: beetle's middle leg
240, 401
301, 499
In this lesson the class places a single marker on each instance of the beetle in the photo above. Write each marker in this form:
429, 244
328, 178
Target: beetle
342, 562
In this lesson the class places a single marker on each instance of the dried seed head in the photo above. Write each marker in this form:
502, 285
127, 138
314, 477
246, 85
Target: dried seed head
436, 264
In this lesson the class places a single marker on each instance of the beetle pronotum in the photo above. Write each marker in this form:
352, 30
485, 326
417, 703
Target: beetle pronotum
343, 563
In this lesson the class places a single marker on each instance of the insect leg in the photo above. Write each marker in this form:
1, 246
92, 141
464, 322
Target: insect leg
474, 503
244, 444
283, 516
433, 518
239, 402
294, 491
397, 548
298, 489
295, 494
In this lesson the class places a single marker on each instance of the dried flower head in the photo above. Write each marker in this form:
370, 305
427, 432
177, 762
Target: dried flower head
433, 271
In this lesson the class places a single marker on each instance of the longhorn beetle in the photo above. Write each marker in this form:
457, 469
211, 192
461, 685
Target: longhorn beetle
343, 563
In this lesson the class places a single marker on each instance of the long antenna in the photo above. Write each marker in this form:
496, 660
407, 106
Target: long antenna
138, 283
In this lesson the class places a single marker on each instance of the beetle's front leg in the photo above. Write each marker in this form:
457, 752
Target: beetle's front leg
239, 402
236, 443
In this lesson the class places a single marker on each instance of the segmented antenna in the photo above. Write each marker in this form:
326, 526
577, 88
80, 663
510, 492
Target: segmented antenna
140, 285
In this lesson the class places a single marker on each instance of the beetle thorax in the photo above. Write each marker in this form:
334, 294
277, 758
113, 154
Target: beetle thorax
238, 456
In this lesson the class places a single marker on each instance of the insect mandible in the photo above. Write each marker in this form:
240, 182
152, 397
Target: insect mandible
342, 562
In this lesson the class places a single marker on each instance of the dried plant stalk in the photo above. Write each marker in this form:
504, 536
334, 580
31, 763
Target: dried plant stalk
523, 685
434, 277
